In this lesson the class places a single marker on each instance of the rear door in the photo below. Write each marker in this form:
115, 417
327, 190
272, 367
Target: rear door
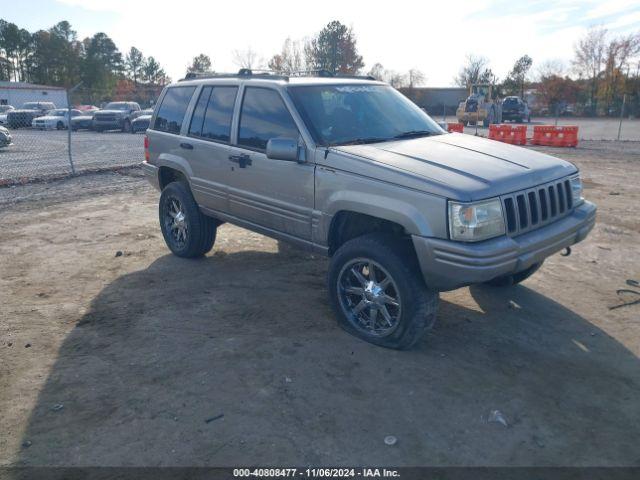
209, 137
276, 194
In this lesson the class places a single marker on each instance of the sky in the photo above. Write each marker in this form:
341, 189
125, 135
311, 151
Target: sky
433, 37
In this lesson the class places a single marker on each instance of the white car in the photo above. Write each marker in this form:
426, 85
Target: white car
57, 119
5, 137
4, 110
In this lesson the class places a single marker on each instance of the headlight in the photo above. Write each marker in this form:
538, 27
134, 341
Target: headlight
472, 222
576, 190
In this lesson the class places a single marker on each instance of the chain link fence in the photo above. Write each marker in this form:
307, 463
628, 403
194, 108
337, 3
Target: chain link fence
55, 133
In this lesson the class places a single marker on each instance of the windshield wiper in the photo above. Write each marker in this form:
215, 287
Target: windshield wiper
414, 133
360, 141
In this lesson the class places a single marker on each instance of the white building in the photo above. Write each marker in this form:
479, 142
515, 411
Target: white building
17, 93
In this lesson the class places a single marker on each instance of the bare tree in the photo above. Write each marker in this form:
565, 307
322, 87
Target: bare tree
549, 68
289, 60
377, 72
396, 79
475, 70
415, 78
589, 59
620, 51
248, 58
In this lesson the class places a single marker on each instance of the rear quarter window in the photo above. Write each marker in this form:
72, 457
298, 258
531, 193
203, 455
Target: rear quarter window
172, 110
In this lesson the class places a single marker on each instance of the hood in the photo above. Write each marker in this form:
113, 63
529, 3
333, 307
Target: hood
143, 118
117, 112
24, 110
50, 118
457, 166
82, 117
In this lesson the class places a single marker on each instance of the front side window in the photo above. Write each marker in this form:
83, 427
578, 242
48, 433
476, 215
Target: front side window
264, 116
174, 106
343, 114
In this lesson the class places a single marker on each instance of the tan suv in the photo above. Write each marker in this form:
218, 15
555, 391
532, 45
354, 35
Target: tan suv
348, 167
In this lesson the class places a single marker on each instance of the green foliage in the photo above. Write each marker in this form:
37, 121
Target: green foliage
56, 57
200, 63
515, 81
334, 49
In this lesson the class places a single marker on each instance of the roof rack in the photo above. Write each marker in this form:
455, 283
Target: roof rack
329, 74
243, 72
271, 75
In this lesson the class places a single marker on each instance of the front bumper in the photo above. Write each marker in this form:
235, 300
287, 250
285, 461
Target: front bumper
447, 265
107, 125
510, 115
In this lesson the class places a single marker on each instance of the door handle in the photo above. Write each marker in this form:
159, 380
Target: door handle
242, 160
186, 146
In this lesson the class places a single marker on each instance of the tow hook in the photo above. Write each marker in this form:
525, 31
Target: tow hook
566, 252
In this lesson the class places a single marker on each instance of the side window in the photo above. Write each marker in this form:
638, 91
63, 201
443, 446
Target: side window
171, 113
264, 116
197, 119
213, 113
217, 120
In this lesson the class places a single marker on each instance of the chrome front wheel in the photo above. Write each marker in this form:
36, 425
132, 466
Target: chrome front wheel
369, 297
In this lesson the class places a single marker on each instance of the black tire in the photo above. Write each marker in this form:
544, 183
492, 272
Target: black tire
59, 126
516, 278
464, 123
199, 233
416, 308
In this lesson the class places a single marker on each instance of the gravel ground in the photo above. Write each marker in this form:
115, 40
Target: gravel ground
121, 360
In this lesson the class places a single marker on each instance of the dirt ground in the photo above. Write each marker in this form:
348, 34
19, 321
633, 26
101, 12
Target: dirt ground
147, 359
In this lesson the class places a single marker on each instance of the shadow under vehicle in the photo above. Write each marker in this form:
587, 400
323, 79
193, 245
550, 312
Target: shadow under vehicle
163, 349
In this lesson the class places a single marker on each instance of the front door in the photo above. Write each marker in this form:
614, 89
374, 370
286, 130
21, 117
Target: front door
276, 194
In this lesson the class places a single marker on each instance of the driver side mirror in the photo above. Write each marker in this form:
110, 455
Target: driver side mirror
283, 149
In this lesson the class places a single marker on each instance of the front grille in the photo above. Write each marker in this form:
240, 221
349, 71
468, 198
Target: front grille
532, 208
106, 117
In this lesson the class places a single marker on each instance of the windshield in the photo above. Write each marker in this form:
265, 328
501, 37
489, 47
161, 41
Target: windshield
31, 105
116, 106
346, 114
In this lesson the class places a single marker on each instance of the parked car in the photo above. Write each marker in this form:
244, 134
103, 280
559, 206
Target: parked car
516, 110
115, 116
57, 119
84, 121
23, 117
4, 110
5, 137
141, 122
350, 168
